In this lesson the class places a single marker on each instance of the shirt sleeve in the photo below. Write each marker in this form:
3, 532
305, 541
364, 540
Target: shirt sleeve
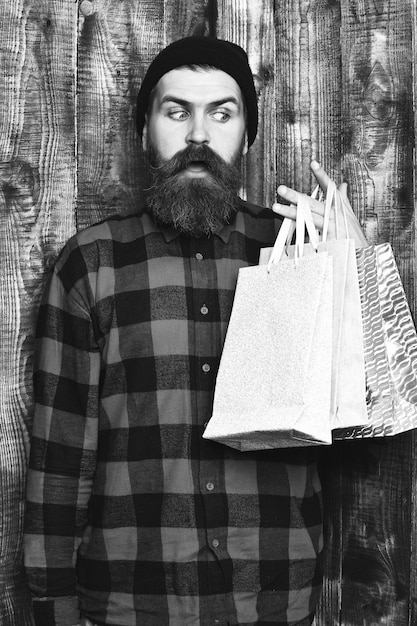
64, 441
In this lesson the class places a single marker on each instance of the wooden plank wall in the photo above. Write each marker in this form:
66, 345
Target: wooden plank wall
336, 82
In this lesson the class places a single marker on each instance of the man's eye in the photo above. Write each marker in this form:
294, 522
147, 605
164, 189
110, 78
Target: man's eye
178, 115
220, 116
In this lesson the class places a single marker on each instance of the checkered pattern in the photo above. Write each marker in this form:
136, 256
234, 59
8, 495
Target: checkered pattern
132, 517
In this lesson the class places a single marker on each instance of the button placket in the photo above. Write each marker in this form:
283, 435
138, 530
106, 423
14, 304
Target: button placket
204, 274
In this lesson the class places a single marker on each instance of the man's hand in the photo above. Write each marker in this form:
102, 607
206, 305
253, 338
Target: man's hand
317, 208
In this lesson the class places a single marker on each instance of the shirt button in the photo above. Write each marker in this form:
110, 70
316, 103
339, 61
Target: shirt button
199, 256
206, 368
209, 486
204, 309
215, 543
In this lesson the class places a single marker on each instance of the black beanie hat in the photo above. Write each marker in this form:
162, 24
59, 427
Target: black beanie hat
221, 54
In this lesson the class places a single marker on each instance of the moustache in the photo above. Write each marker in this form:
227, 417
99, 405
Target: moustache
191, 154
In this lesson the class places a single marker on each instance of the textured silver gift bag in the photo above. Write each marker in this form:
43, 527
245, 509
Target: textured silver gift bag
274, 380
390, 343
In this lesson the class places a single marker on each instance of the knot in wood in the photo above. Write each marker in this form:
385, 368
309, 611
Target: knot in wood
86, 8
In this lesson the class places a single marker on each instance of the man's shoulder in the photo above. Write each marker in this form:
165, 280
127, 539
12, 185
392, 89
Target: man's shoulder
118, 226
98, 239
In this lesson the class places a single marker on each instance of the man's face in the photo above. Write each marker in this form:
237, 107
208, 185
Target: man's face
196, 107
195, 136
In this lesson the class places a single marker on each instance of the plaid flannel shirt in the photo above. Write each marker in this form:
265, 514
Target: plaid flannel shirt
132, 517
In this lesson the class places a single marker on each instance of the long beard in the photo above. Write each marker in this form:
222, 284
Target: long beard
194, 206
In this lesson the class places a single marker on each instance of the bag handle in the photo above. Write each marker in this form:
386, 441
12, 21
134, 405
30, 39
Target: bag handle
342, 207
303, 221
333, 201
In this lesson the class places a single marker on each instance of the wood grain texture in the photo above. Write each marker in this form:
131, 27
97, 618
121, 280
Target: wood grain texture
37, 174
183, 18
413, 438
367, 565
377, 123
294, 52
367, 485
336, 81
376, 534
117, 42
308, 108
251, 25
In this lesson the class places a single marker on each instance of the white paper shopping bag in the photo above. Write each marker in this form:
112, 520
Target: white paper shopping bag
273, 387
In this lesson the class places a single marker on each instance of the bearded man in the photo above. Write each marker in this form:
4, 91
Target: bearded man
133, 519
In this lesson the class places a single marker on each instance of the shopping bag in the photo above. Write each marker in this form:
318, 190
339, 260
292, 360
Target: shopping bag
348, 393
274, 380
390, 344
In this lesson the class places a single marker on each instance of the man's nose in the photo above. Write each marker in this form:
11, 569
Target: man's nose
197, 131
